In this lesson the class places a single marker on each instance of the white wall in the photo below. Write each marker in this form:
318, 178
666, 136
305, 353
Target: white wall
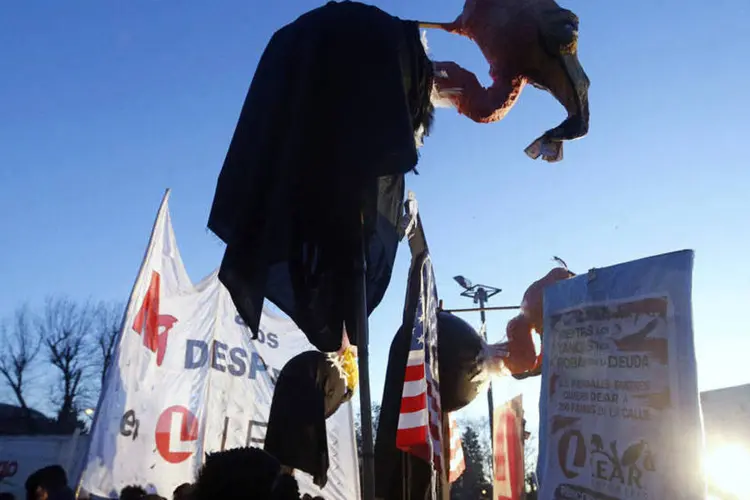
27, 454
726, 414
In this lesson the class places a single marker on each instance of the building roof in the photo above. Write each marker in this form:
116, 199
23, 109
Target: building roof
15, 421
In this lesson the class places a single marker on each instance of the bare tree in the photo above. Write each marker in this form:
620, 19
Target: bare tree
65, 329
530, 453
108, 317
21, 346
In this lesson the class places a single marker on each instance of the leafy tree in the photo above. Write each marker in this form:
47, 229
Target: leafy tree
474, 482
358, 427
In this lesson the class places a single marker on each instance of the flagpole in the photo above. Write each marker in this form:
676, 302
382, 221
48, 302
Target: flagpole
417, 246
126, 315
363, 354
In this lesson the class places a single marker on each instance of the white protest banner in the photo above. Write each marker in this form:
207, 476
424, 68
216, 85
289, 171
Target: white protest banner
620, 411
187, 380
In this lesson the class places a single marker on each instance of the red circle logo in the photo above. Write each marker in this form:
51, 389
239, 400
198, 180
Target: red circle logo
176, 431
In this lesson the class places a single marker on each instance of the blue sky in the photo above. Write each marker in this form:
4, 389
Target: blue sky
105, 104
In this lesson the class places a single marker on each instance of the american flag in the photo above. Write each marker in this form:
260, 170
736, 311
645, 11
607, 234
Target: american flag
457, 460
419, 424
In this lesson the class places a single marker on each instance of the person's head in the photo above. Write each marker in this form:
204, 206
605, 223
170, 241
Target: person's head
153, 496
46, 483
31, 483
249, 473
132, 492
183, 492
64, 493
285, 488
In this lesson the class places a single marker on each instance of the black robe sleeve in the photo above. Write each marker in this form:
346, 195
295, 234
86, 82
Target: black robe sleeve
308, 391
326, 133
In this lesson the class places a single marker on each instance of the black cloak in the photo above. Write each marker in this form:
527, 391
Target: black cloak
309, 390
325, 136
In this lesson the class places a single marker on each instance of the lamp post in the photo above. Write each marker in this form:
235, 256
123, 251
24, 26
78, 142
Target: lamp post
480, 294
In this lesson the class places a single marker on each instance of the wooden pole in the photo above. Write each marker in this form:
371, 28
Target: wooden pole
438, 26
224, 434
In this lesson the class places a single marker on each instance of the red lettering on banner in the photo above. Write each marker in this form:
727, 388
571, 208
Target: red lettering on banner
176, 433
148, 321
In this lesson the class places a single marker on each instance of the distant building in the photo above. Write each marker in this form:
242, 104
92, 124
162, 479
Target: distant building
726, 414
726, 423
15, 421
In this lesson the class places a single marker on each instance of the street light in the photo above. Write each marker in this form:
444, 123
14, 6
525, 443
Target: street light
463, 282
479, 293
89, 412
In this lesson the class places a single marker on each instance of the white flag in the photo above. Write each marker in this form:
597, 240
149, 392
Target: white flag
186, 379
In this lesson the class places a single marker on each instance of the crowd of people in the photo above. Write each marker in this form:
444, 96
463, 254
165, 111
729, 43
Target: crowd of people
241, 473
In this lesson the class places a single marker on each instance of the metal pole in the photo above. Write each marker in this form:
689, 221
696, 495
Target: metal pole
490, 404
482, 297
365, 403
475, 309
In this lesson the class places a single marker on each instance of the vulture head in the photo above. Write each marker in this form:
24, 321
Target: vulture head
524, 41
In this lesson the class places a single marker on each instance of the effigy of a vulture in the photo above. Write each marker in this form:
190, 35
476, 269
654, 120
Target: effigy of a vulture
524, 41
522, 360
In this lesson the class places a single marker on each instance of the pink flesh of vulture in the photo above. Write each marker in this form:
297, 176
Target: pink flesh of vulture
522, 358
524, 41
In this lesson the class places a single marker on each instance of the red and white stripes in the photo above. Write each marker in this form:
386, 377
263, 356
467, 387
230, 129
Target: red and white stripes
457, 463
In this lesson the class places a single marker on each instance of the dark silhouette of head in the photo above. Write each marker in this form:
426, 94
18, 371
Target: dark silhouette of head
132, 492
183, 492
249, 473
48, 483
7, 496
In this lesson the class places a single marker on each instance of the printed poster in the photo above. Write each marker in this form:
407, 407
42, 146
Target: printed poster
620, 412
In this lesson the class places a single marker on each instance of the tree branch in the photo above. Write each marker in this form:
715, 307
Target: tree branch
108, 318
21, 347
66, 332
